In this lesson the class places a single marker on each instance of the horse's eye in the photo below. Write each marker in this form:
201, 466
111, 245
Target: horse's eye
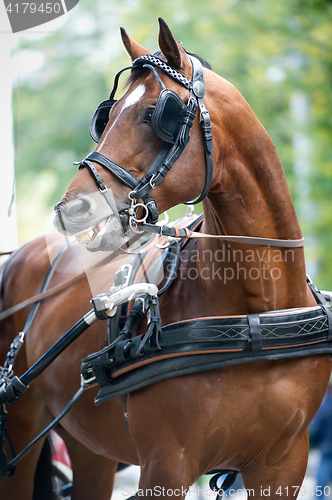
148, 115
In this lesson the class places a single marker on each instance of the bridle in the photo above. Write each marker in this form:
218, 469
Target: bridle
171, 120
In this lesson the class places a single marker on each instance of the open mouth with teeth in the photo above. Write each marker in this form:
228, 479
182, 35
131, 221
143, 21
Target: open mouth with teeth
105, 235
87, 237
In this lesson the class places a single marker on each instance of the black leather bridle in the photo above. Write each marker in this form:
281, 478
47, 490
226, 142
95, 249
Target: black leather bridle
175, 136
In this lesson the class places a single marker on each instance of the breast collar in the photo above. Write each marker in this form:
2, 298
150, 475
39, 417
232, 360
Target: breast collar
169, 153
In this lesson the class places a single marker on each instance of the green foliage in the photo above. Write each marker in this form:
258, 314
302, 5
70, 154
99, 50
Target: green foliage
271, 51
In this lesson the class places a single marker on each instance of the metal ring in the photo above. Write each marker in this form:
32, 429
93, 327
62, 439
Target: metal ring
143, 219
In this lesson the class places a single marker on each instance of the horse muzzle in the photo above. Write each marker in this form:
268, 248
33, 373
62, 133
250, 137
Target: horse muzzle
92, 225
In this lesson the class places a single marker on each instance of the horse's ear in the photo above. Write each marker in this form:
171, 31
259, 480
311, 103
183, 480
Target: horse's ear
134, 49
174, 53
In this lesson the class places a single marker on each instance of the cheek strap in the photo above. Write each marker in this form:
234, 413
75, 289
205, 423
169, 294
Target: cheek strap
101, 186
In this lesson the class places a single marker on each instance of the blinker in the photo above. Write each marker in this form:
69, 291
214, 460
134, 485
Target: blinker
100, 119
166, 118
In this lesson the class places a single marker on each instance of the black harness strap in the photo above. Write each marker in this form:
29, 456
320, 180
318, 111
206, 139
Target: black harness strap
12, 465
255, 334
329, 319
199, 91
3, 454
320, 299
120, 172
101, 186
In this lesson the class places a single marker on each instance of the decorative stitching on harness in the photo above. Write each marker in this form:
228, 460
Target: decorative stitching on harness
172, 72
291, 329
298, 329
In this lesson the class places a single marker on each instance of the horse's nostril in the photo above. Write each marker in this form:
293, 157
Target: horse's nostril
57, 206
78, 208
82, 207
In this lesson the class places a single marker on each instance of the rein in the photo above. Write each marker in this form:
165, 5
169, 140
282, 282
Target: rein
41, 296
172, 232
59, 288
175, 232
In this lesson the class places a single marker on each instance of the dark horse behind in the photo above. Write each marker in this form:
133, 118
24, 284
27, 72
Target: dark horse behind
252, 417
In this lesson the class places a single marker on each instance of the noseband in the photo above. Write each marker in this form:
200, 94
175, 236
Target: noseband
171, 120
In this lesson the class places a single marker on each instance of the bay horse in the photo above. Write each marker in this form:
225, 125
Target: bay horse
252, 417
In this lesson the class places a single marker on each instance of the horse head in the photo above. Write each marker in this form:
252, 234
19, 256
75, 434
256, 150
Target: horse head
140, 137
155, 151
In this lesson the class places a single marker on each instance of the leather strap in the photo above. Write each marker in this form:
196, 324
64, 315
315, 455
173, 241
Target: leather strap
116, 169
199, 90
101, 186
255, 333
41, 296
149, 181
177, 365
253, 240
59, 288
186, 233
329, 319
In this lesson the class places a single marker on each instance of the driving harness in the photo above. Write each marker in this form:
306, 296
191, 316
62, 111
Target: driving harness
128, 362
131, 362
171, 121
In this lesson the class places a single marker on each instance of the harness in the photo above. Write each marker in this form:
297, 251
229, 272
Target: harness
130, 362
171, 120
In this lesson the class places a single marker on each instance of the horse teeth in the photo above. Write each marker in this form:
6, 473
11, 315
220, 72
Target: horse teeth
85, 238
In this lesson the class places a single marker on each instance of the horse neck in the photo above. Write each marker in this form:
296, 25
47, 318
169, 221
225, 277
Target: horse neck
250, 197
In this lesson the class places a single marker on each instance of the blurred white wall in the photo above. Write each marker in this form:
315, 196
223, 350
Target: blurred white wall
8, 223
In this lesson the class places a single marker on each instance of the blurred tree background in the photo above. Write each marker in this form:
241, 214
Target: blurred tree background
278, 54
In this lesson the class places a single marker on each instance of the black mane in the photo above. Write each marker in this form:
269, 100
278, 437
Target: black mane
204, 63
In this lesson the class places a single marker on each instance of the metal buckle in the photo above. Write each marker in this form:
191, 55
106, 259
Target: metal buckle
133, 219
87, 381
152, 184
